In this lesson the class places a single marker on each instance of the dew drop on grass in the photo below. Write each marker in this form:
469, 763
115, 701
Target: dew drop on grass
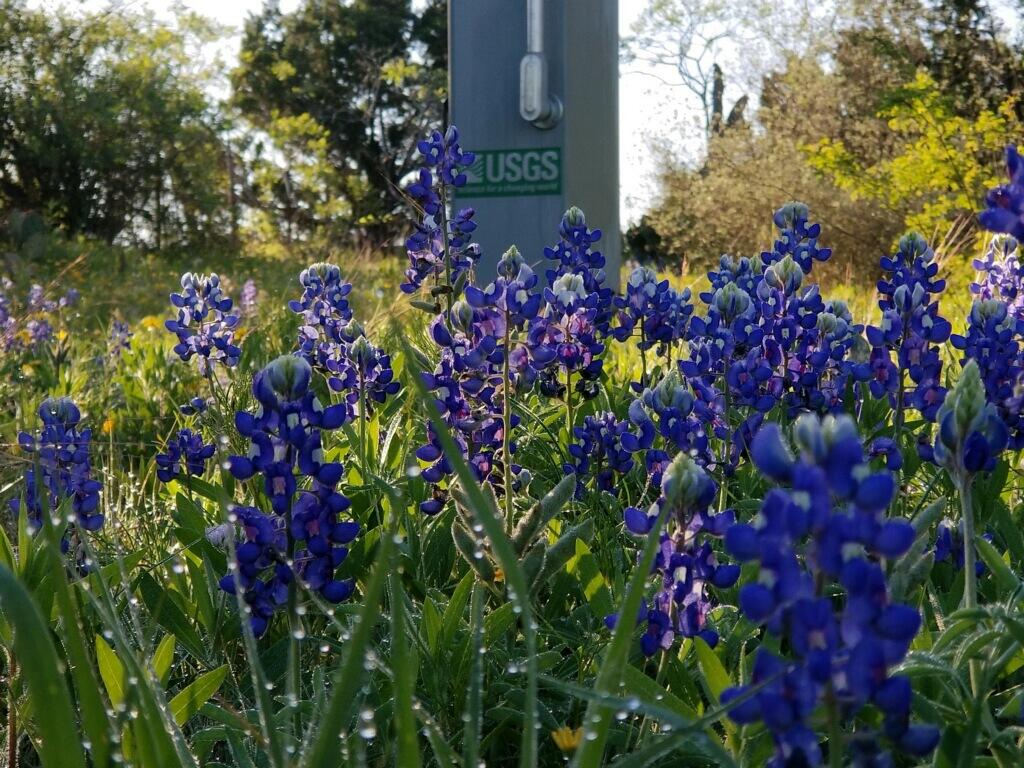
367, 728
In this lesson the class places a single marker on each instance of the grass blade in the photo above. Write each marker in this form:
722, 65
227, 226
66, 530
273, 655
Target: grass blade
41, 667
504, 553
403, 668
598, 717
349, 676
474, 696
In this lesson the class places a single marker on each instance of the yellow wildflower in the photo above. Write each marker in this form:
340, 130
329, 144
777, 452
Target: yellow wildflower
108, 425
567, 739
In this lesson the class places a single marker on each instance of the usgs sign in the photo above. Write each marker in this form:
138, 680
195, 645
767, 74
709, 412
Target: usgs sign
508, 172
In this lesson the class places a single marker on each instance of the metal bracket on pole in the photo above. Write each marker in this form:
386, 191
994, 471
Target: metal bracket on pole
536, 104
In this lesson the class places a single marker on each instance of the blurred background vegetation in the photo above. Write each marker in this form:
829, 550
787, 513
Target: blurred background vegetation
131, 148
881, 115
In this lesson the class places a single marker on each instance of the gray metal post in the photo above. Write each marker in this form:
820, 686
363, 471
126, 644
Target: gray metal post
537, 99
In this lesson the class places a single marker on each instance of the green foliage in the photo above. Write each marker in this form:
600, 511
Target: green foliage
366, 79
942, 166
106, 126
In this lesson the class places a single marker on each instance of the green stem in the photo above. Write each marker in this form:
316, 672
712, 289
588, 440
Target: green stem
570, 416
363, 455
835, 731
474, 698
293, 687
970, 577
643, 357
724, 491
506, 427
443, 193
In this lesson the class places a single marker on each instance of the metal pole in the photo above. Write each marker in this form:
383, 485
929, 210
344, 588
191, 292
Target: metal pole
536, 104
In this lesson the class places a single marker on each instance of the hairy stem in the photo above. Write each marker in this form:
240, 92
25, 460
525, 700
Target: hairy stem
506, 426
970, 600
570, 416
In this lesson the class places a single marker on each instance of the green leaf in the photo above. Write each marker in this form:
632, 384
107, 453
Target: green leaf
716, 679
646, 689
169, 616
40, 667
473, 715
7, 551
403, 670
163, 657
111, 671
1008, 581
592, 583
453, 613
188, 701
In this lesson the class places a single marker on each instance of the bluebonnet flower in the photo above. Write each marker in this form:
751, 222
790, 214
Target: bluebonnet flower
302, 537
120, 338
1004, 210
829, 529
467, 384
204, 326
769, 339
992, 342
368, 373
797, 239
325, 311
911, 328
513, 303
186, 453
654, 310
39, 331
949, 545
477, 337
573, 254
248, 297
1001, 275
195, 406
887, 448
685, 564
8, 323
742, 272
971, 435
441, 247
60, 470
564, 340
672, 411
604, 447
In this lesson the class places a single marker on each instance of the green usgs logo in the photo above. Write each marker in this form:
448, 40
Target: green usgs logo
507, 172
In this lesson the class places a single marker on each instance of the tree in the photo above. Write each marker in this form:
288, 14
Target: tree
970, 59
370, 73
106, 127
941, 167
